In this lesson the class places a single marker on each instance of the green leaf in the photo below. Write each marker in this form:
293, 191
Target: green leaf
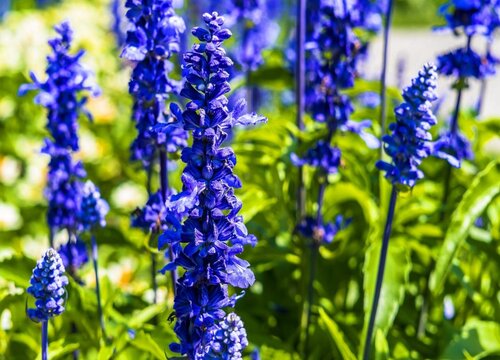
337, 335
381, 346
146, 343
397, 272
478, 338
139, 318
105, 353
482, 191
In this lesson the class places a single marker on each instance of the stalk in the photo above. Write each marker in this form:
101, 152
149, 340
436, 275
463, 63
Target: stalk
312, 269
482, 90
300, 92
97, 286
164, 192
45, 339
383, 75
380, 273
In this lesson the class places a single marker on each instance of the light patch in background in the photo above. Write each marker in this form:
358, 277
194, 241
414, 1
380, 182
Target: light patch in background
127, 196
10, 217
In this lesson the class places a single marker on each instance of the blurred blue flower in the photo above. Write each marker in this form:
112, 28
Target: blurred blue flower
73, 255
410, 140
64, 188
452, 147
93, 208
153, 39
466, 63
212, 232
47, 286
60, 93
322, 234
323, 156
151, 217
470, 16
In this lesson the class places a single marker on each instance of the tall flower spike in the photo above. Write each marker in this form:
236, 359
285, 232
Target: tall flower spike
47, 287
410, 141
150, 44
62, 95
212, 231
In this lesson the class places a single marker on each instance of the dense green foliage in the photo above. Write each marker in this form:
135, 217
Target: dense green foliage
430, 260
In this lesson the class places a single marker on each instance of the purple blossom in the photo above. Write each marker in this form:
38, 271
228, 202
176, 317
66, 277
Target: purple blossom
47, 286
410, 141
153, 39
212, 232
93, 209
322, 233
73, 255
466, 63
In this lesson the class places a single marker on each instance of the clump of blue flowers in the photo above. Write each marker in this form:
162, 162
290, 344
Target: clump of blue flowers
469, 19
151, 42
410, 141
93, 209
62, 95
47, 286
212, 232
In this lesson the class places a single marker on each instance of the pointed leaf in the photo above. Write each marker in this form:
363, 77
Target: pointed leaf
337, 336
484, 188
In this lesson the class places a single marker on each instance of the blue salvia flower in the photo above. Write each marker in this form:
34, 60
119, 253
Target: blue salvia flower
151, 217
258, 31
73, 255
470, 18
333, 66
47, 287
64, 188
230, 339
61, 94
212, 231
93, 209
153, 39
119, 22
323, 233
410, 140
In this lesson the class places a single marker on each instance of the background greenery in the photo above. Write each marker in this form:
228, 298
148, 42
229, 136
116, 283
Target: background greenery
460, 254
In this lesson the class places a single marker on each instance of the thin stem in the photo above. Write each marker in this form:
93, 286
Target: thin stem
164, 192
313, 267
163, 174
153, 278
300, 97
383, 75
97, 286
45, 340
51, 237
380, 272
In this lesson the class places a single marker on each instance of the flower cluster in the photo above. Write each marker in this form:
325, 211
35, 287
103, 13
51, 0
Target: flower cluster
73, 255
453, 148
47, 287
229, 339
322, 156
93, 208
150, 44
469, 16
410, 141
258, 31
212, 232
60, 94
466, 63
151, 217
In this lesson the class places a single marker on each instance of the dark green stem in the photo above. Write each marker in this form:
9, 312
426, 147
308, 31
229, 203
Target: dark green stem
380, 273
